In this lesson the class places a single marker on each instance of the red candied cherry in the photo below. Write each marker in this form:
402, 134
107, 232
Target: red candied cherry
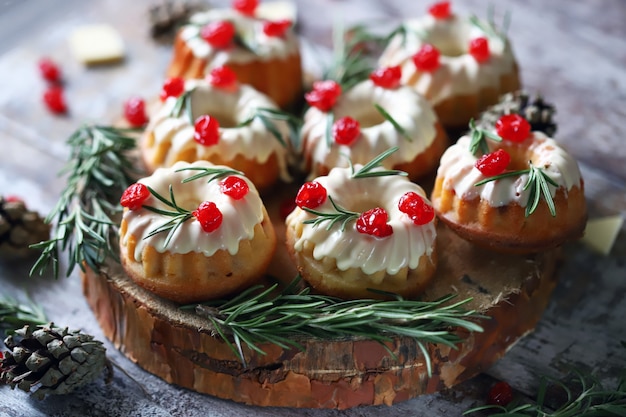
222, 77
286, 207
479, 49
234, 187
324, 94
374, 222
206, 130
493, 163
209, 216
218, 34
135, 111
49, 70
246, 7
513, 127
277, 28
311, 195
172, 87
440, 10
346, 130
54, 99
418, 210
500, 394
388, 77
13, 199
427, 58
134, 196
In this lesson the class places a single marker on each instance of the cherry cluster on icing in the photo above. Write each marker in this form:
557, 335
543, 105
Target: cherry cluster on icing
222, 77
388, 77
510, 127
218, 34
247, 7
135, 111
206, 130
172, 87
346, 130
324, 95
427, 59
208, 214
374, 221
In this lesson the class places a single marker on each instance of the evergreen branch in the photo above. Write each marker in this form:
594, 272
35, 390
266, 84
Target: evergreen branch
98, 171
390, 119
212, 172
328, 133
14, 315
479, 138
350, 66
260, 315
340, 215
367, 170
590, 399
178, 216
538, 182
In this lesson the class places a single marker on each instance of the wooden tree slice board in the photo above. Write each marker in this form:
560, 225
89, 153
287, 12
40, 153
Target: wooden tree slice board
176, 345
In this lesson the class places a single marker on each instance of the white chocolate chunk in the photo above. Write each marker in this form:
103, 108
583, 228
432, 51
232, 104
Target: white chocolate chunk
277, 10
96, 44
601, 233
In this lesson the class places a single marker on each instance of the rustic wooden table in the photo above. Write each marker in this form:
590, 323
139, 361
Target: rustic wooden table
572, 52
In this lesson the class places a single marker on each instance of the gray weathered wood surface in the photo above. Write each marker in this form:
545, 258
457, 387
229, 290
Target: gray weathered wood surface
573, 52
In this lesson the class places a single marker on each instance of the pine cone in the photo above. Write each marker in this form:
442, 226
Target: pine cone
165, 19
19, 228
538, 112
52, 360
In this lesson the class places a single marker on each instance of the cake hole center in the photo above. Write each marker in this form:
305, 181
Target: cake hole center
225, 120
368, 117
188, 203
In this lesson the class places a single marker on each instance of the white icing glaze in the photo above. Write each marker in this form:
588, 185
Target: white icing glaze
251, 28
352, 249
459, 73
457, 169
253, 141
239, 216
406, 107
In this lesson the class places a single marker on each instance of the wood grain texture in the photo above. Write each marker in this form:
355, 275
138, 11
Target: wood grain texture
572, 52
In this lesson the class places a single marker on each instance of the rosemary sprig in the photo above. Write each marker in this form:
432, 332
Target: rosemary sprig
367, 170
330, 120
14, 314
350, 65
183, 103
98, 170
268, 116
591, 399
491, 28
340, 215
178, 216
538, 182
261, 315
479, 138
396, 125
212, 173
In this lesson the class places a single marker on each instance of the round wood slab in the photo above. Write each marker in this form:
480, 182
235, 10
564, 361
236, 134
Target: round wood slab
177, 345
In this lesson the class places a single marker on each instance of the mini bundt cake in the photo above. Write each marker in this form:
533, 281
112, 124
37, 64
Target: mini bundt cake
352, 232
263, 53
461, 65
521, 194
193, 232
221, 121
364, 121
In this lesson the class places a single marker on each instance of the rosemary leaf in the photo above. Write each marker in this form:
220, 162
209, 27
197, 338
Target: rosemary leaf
478, 141
390, 119
14, 314
340, 215
212, 173
259, 316
177, 217
330, 120
99, 170
367, 170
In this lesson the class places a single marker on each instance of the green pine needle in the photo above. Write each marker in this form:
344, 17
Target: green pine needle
178, 216
369, 169
340, 215
268, 116
479, 138
213, 173
99, 170
395, 124
183, 103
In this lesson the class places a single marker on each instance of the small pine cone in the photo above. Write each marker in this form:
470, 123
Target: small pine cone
51, 360
538, 112
165, 19
19, 228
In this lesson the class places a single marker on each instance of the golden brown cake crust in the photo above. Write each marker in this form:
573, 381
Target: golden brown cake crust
193, 277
